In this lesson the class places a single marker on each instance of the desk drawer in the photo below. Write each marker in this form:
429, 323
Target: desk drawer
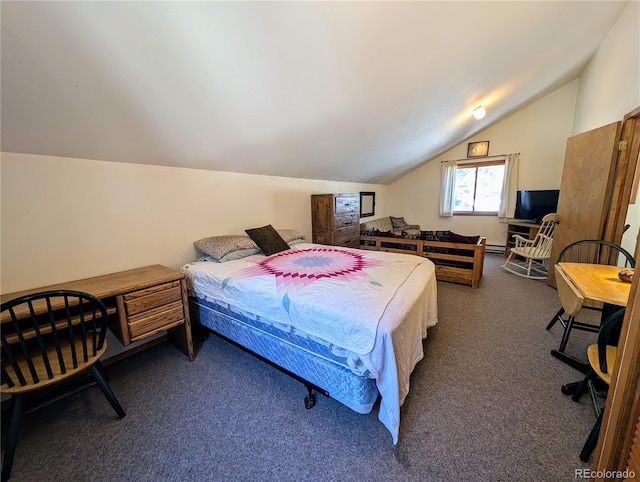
147, 299
157, 319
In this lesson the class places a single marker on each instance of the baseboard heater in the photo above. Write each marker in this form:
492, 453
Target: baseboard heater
495, 248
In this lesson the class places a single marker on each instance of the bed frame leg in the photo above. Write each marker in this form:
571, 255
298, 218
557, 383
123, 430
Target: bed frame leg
310, 399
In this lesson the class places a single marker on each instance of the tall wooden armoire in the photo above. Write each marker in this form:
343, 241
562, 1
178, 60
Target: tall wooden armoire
595, 189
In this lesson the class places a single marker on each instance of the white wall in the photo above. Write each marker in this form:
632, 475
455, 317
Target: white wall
64, 219
538, 132
610, 88
610, 85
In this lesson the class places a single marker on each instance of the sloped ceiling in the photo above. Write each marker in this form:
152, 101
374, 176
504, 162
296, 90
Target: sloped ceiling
353, 91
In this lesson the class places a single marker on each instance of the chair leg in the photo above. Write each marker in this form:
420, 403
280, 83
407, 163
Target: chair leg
592, 440
508, 260
106, 389
10, 450
555, 318
100, 368
565, 335
594, 398
584, 385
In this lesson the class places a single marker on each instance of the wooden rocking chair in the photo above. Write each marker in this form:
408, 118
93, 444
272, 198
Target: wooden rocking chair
530, 257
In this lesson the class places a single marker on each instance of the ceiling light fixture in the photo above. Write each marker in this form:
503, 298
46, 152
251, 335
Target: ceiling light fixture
479, 112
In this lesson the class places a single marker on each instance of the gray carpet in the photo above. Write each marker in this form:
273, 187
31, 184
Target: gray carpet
485, 405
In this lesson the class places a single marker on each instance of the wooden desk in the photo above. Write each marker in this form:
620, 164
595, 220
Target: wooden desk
597, 282
145, 300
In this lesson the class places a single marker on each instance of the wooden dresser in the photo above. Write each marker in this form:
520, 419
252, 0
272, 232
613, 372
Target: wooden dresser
335, 219
144, 301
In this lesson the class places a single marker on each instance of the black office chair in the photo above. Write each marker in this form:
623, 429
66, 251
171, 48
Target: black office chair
594, 251
602, 356
47, 338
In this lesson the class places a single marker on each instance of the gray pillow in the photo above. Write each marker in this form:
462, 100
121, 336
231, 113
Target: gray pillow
219, 246
398, 223
290, 235
238, 254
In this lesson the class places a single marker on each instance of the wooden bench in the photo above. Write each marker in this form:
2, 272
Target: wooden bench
455, 262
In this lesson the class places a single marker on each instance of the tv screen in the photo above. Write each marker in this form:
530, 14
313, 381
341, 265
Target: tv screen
534, 205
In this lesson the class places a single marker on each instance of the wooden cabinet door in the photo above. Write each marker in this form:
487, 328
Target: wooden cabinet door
587, 177
619, 443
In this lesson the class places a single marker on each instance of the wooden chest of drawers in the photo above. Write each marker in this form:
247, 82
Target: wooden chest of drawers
335, 219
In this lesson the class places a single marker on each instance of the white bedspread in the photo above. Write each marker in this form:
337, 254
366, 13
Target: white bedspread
374, 304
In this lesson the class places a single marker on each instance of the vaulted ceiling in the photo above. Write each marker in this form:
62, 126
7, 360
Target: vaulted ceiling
346, 91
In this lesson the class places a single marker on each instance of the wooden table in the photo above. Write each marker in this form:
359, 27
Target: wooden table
597, 282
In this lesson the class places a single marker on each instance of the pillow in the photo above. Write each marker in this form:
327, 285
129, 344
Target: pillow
206, 257
458, 238
238, 254
218, 246
267, 239
296, 241
398, 223
290, 235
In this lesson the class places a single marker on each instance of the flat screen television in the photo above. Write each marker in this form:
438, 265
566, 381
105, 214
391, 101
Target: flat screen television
534, 205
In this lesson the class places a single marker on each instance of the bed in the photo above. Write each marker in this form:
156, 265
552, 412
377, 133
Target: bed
346, 322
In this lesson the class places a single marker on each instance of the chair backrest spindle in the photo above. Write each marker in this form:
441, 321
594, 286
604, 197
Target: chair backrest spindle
54, 333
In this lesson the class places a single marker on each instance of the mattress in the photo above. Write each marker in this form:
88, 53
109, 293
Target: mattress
345, 317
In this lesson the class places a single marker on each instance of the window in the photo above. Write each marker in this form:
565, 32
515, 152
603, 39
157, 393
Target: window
478, 187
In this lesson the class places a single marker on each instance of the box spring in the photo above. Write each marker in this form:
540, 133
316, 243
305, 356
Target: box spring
302, 356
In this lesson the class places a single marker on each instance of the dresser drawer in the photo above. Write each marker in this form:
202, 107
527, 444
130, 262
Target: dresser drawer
149, 298
351, 231
347, 204
349, 239
346, 220
160, 318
